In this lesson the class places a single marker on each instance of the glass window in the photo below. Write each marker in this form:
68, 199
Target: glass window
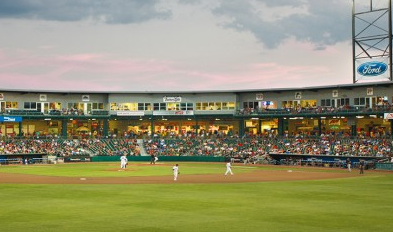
173, 106
204, 106
98, 106
141, 106
361, 101
114, 106
55, 105
159, 106
72, 105
198, 106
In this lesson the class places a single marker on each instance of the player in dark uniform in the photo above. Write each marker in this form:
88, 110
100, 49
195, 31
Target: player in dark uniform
361, 167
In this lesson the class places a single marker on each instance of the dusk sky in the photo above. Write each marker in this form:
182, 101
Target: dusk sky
174, 45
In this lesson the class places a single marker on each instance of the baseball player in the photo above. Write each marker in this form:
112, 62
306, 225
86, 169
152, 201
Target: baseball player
229, 168
349, 165
123, 161
175, 171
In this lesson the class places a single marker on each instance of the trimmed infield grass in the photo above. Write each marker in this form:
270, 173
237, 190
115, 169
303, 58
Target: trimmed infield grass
363, 203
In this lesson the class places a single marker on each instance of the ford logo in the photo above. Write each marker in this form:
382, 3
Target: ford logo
373, 68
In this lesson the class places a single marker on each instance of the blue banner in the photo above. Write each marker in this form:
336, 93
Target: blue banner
10, 119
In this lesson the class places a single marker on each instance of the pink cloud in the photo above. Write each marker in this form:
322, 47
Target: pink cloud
102, 72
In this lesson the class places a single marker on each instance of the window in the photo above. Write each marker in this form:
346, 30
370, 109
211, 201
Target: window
55, 105
128, 106
11, 105
343, 102
72, 105
360, 101
114, 106
159, 106
173, 106
30, 105
326, 102
214, 106
251, 105
98, 106
144, 106
186, 106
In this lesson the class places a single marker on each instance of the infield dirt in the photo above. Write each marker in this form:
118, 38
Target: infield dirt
252, 176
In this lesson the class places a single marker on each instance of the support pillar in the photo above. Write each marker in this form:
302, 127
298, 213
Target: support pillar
105, 128
241, 127
319, 126
280, 126
64, 128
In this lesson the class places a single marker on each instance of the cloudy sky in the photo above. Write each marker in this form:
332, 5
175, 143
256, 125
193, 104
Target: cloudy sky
174, 45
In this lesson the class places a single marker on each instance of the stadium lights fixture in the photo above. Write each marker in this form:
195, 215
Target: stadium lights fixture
47, 119
360, 116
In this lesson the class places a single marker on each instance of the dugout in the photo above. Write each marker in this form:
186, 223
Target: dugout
322, 160
21, 158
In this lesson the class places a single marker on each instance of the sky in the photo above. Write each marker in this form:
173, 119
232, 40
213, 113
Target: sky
174, 45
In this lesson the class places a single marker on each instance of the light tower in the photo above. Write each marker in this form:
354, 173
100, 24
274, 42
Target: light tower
372, 40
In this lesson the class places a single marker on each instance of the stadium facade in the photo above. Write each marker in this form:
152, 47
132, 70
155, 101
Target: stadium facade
350, 109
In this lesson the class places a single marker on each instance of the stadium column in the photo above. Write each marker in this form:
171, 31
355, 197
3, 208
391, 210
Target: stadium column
319, 126
280, 126
241, 127
105, 128
64, 128
20, 129
391, 127
353, 130
196, 125
152, 127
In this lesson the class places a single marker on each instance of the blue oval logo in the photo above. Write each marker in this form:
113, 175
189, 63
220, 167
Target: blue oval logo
373, 68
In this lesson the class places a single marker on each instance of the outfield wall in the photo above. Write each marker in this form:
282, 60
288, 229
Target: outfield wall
160, 158
384, 166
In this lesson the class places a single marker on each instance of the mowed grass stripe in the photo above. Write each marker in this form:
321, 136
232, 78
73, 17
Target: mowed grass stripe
351, 204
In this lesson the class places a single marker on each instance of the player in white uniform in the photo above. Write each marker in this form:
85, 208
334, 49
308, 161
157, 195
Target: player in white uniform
175, 171
123, 161
229, 168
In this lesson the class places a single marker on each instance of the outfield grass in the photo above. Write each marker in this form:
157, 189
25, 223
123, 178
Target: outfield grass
350, 204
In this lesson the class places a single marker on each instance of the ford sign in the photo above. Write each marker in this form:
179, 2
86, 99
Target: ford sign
373, 68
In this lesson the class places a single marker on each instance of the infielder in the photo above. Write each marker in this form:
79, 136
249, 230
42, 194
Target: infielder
229, 168
123, 161
175, 171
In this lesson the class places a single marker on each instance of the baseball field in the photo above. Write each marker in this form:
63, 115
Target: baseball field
144, 197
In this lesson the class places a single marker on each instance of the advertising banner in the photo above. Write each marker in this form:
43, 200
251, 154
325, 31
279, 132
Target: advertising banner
177, 112
130, 113
368, 69
171, 99
388, 116
10, 119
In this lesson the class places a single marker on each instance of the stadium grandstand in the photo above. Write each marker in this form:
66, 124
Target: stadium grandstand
353, 120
